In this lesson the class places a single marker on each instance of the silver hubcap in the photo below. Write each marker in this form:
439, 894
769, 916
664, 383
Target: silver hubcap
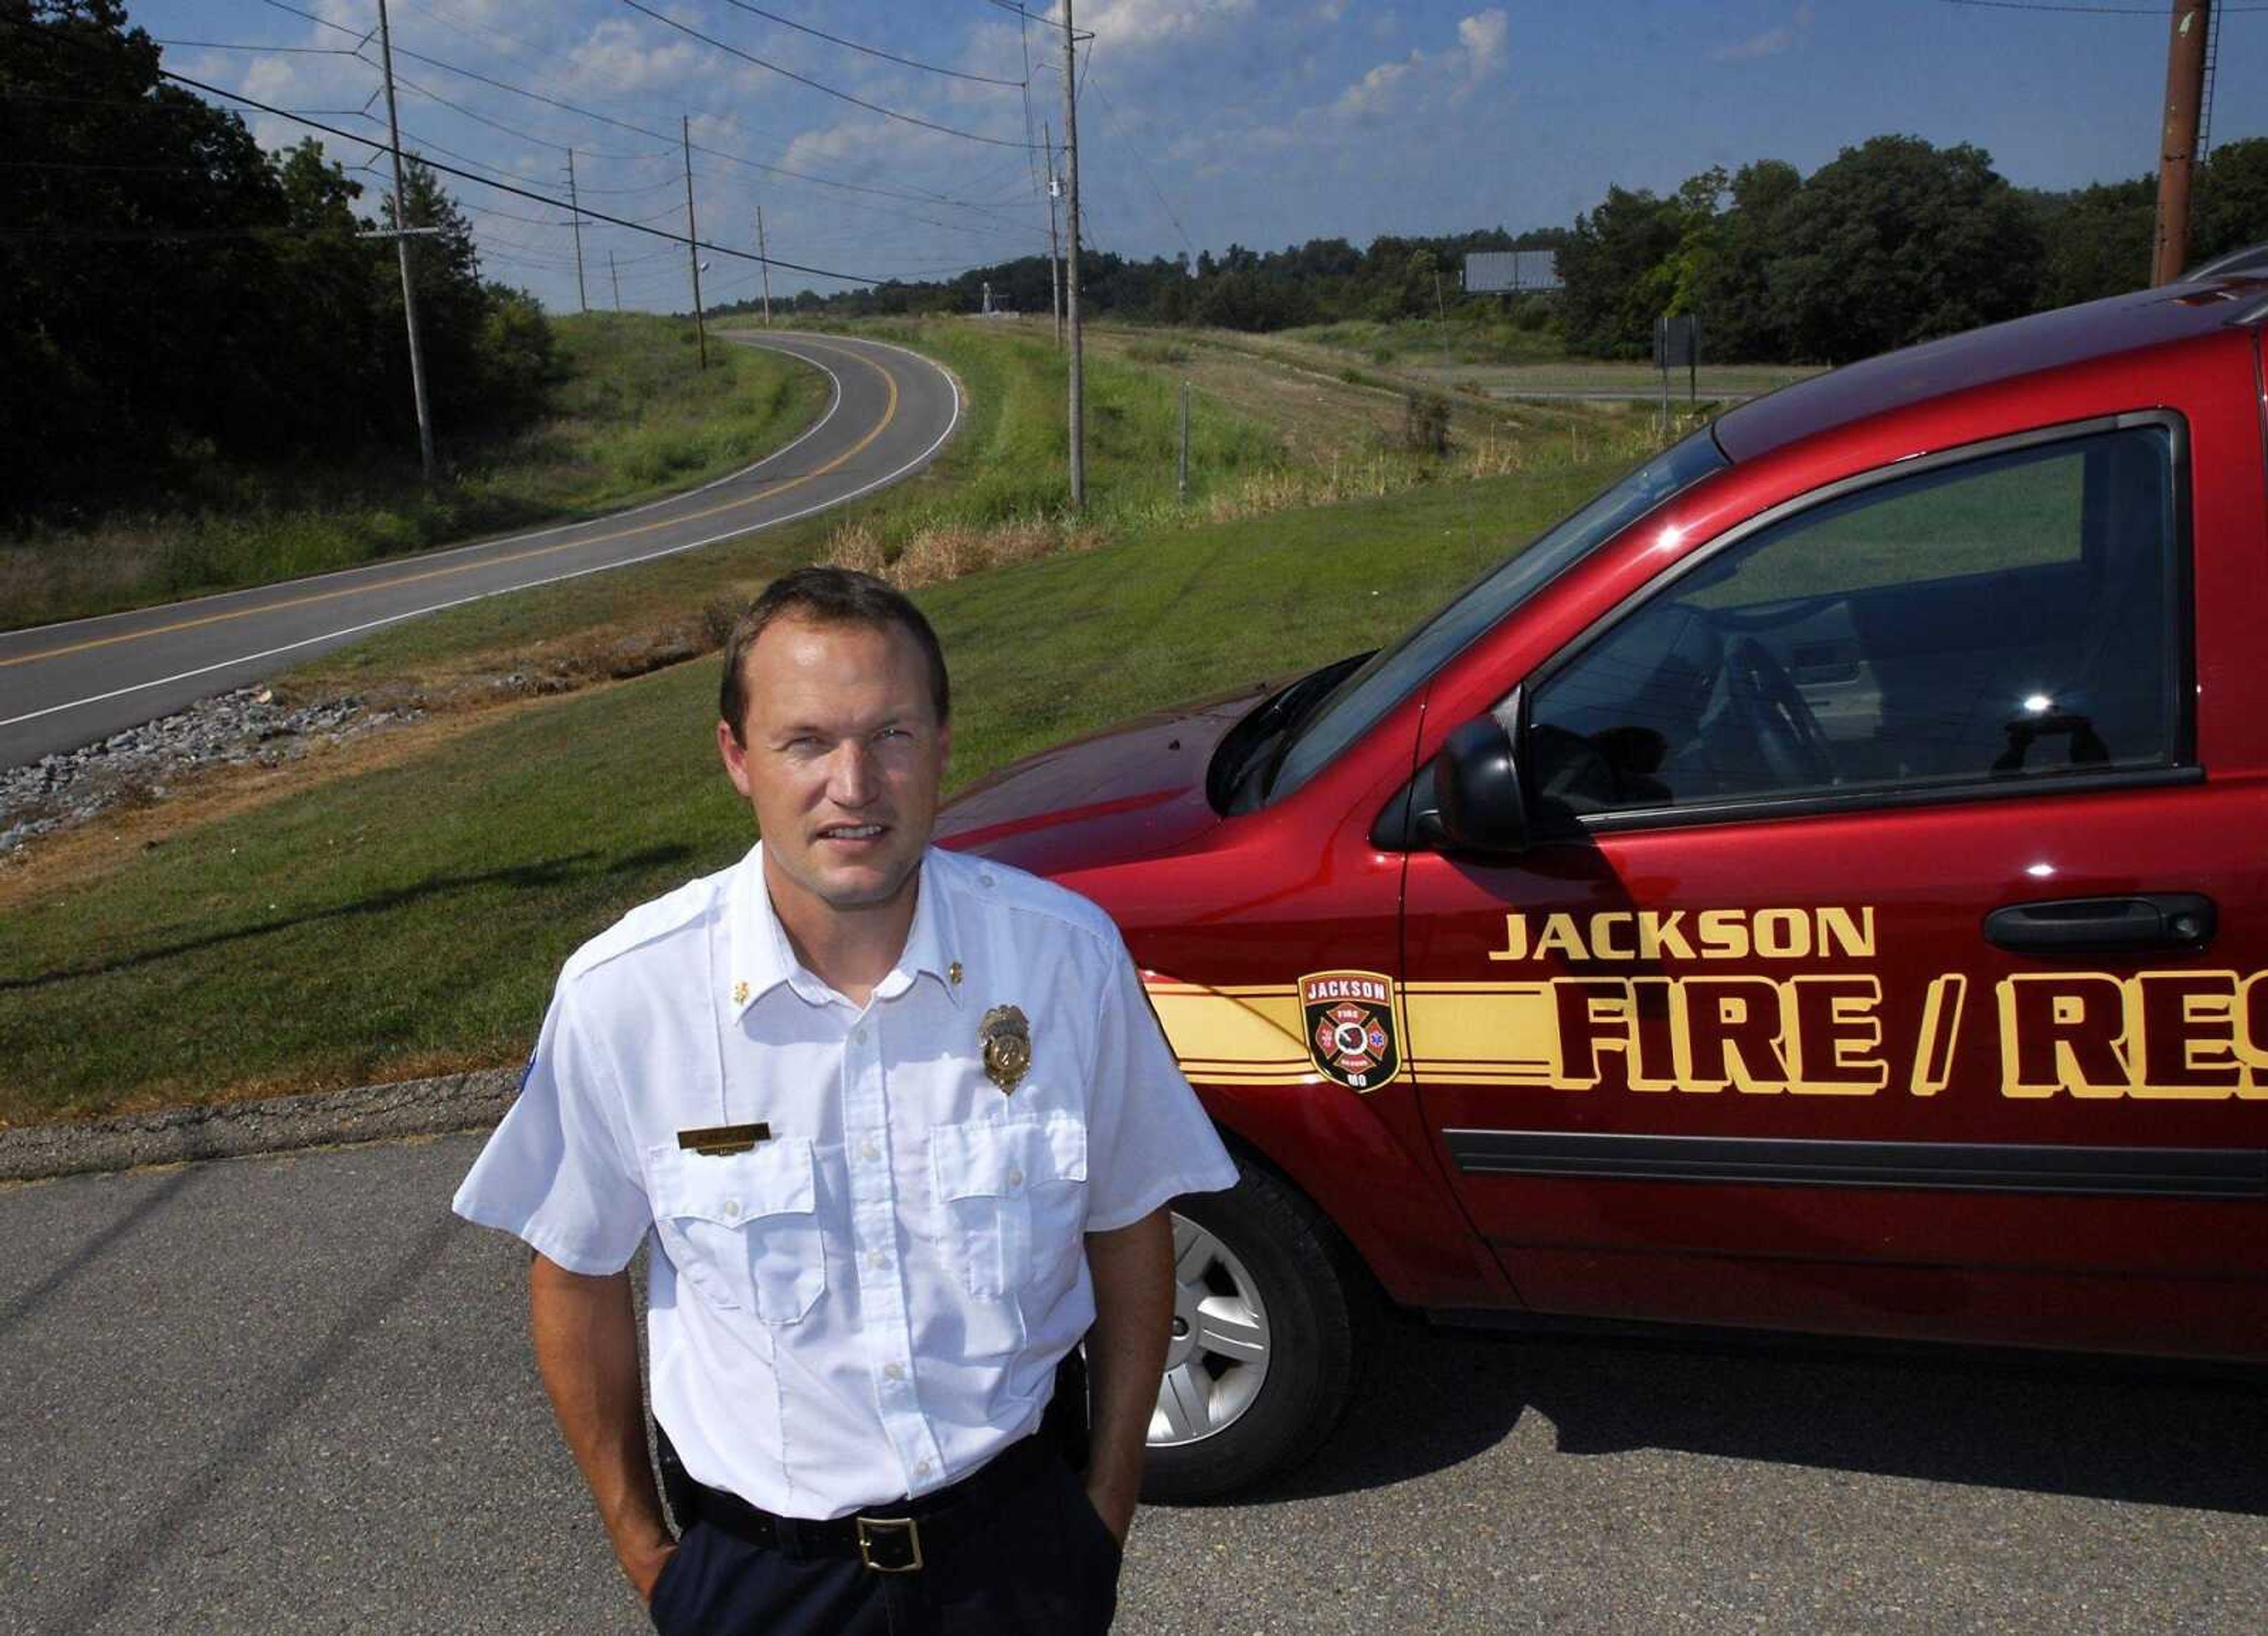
1219, 1355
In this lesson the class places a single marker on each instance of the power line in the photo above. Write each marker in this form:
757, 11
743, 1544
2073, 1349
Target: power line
1148, 175
871, 51
503, 187
915, 195
804, 79
1040, 17
2084, 10
230, 44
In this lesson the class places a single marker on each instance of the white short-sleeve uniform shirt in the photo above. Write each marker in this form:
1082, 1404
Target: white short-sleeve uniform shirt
872, 1302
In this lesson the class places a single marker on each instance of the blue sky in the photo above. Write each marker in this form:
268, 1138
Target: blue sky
1203, 122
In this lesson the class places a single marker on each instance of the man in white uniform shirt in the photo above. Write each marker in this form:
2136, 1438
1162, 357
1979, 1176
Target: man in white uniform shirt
902, 1128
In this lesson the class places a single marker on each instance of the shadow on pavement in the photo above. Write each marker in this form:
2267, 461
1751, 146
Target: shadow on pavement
87, 1255
549, 872
2112, 1429
240, 1447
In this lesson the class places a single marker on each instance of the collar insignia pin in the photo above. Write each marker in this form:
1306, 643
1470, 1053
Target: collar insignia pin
741, 994
1007, 1039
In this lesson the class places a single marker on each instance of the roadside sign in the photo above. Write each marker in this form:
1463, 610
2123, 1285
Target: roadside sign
1510, 272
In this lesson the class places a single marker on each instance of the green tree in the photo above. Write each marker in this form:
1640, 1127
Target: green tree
1897, 241
2097, 240
1733, 293
2229, 206
1611, 267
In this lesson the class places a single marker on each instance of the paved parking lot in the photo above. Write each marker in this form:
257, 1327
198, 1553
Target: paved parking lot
290, 1394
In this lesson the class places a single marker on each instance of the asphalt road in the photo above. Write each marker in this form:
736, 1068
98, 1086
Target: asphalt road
62, 686
292, 1395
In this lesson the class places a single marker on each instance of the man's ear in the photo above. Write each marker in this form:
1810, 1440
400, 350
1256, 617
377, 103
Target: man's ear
735, 757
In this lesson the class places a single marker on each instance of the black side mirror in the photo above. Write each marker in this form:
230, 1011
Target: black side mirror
1475, 805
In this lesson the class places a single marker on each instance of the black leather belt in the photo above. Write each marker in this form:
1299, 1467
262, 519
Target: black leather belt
889, 1537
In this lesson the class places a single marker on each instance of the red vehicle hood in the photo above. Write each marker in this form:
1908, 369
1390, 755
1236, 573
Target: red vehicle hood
1129, 791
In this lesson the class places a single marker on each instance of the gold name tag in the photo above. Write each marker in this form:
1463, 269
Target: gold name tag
724, 1138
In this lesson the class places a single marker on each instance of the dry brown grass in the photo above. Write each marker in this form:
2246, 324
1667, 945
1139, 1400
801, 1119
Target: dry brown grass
935, 554
68, 858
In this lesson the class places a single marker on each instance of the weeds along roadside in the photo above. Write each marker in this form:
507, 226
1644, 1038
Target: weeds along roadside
630, 417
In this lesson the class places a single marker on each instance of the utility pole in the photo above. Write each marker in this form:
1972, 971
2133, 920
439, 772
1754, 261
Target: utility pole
1070, 274
763, 259
2192, 21
1054, 250
617, 279
575, 208
693, 239
402, 245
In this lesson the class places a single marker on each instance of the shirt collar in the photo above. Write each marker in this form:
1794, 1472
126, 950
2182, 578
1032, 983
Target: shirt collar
764, 959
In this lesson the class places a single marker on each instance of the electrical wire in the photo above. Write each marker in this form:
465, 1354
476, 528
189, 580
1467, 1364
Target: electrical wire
813, 178
871, 51
524, 193
804, 79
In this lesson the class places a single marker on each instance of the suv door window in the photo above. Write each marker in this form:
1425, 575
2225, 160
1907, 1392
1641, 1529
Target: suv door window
2010, 618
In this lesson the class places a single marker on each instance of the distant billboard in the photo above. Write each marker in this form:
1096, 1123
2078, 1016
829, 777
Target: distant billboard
1503, 272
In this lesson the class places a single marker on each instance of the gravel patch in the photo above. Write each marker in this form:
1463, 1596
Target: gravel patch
456, 1102
247, 727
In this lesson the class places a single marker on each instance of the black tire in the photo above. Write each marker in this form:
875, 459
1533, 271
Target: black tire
1299, 1277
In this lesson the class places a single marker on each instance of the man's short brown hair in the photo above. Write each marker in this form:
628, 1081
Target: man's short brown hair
825, 596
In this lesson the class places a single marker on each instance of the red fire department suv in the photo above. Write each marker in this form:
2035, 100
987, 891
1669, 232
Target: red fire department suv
1821, 885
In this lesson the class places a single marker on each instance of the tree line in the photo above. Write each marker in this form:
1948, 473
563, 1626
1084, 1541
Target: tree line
1894, 241
174, 294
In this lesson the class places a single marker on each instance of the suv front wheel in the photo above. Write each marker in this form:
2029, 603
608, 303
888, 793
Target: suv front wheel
1262, 1357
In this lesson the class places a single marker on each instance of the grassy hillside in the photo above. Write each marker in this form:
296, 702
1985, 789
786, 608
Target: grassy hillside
410, 917
630, 416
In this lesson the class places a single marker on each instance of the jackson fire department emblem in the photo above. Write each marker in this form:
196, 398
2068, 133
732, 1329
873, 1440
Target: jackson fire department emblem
1350, 1019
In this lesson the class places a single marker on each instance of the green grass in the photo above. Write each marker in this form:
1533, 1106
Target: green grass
1523, 333
412, 918
630, 416
1013, 459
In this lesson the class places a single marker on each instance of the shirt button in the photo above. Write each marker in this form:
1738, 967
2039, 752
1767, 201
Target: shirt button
892, 1372
922, 1469
1015, 1178
984, 878
858, 1034
878, 1260
732, 1210
867, 1149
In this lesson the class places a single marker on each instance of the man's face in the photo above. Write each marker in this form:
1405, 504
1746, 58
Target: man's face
840, 757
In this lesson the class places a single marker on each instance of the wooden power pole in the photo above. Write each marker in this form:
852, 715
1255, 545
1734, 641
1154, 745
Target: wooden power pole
2177, 152
1055, 246
575, 210
1071, 269
693, 241
401, 235
765, 259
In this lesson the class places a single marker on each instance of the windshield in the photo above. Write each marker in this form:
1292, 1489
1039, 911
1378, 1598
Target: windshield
1358, 703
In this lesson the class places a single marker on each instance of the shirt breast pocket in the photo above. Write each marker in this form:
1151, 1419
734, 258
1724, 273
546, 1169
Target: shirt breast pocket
743, 1229
1015, 1202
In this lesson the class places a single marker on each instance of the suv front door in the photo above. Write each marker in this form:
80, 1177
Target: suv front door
1852, 982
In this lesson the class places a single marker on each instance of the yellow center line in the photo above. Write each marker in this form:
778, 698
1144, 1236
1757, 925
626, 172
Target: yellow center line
889, 413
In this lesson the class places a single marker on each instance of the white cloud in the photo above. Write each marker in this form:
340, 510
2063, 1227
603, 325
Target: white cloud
1770, 43
1483, 35
618, 56
1455, 72
1156, 22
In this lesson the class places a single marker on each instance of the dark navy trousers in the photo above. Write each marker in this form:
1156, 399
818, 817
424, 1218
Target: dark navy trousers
1042, 1563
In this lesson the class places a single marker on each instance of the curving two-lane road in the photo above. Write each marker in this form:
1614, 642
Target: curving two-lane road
62, 686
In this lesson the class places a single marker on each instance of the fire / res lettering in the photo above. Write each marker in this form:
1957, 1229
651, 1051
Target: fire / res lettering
1834, 1031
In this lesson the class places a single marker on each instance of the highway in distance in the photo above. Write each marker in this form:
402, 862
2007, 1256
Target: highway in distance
66, 685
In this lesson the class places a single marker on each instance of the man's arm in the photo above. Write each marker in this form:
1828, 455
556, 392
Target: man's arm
585, 1332
1133, 1273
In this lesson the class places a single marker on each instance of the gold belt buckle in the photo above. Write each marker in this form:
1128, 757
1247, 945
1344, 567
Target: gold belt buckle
873, 1530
